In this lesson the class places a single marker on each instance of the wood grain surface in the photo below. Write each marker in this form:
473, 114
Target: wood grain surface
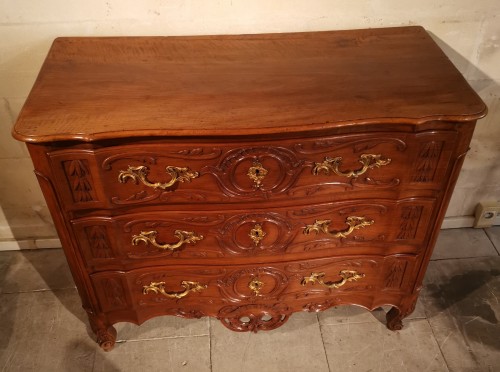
101, 88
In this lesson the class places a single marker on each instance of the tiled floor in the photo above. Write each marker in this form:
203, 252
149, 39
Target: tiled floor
454, 328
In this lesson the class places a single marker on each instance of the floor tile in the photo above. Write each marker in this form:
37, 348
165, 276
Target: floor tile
44, 331
23, 271
494, 235
348, 314
372, 347
163, 326
356, 314
461, 299
186, 354
463, 243
295, 346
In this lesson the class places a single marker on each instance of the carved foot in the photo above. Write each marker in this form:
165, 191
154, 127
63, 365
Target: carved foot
394, 319
397, 314
105, 333
106, 338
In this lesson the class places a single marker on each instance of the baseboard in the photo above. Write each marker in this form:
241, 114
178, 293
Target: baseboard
463, 221
457, 222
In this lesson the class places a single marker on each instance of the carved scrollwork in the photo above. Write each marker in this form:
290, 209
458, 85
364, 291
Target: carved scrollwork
358, 143
244, 234
353, 223
253, 317
286, 167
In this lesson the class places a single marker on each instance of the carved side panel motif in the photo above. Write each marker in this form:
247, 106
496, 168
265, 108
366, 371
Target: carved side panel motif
80, 180
114, 292
427, 161
395, 273
410, 218
98, 241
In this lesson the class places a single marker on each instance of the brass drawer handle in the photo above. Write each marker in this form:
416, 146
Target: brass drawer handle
159, 288
353, 222
369, 161
346, 275
257, 173
140, 173
149, 237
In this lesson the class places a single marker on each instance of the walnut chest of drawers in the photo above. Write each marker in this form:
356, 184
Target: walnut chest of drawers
247, 177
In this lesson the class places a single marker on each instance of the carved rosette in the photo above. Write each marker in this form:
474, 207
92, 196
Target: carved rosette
253, 317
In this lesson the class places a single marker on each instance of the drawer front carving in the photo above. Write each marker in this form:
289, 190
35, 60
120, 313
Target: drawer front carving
344, 167
217, 289
331, 228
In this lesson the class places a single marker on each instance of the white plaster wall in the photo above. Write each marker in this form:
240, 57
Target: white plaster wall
468, 31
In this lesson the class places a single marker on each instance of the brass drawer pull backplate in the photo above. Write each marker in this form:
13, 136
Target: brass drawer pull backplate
149, 237
140, 173
353, 223
368, 161
159, 288
346, 275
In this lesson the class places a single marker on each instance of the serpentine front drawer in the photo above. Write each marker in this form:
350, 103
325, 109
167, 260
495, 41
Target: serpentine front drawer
334, 229
327, 168
271, 292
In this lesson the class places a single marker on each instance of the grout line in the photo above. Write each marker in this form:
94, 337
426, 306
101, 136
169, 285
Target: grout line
439, 346
93, 363
459, 258
323, 342
492, 243
158, 338
210, 342
39, 290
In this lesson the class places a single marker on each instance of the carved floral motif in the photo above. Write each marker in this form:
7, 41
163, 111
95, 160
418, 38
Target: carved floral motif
80, 180
98, 241
426, 164
410, 217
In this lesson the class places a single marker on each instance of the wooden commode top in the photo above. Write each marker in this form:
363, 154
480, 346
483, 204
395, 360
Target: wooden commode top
104, 88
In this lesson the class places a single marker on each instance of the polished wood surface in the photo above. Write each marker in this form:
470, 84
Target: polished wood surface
102, 88
248, 177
